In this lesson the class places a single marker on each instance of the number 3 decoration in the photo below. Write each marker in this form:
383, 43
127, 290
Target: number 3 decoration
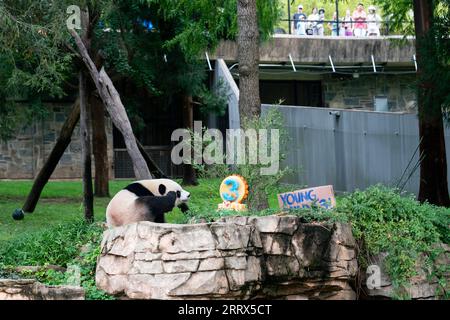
233, 190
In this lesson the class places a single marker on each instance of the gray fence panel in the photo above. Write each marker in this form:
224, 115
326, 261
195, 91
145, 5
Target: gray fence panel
352, 149
223, 80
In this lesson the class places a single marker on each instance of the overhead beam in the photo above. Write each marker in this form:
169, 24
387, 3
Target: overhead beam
317, 49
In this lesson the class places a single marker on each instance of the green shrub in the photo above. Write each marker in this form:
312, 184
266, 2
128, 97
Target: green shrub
315, 214
259, 183
56, 245
73, 244
385, 221
87, 261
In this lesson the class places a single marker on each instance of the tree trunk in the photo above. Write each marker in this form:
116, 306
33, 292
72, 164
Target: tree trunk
99, 138
115, 108
248, 59
88, 198
100, 147
249, 100
433, 167
189, 176
257, 199
52, 161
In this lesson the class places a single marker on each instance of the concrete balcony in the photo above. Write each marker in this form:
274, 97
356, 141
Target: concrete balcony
394, 51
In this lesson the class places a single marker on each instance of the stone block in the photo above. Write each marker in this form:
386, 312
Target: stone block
203, 283
210, 264
30, 289
244, 257
147, 267
181, 266
230, 236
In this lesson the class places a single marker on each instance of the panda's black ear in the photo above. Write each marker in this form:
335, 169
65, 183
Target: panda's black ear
162, 189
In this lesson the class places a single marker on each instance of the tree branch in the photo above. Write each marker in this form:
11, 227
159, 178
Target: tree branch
113, 104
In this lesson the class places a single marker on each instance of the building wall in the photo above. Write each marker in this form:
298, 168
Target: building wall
351, 93
23, 156
352, 149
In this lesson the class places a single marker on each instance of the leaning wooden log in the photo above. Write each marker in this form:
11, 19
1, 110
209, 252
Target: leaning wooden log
115, 108
55, 155
154, 169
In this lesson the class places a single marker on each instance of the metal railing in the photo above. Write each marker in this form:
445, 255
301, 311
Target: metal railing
123, 166
343, 28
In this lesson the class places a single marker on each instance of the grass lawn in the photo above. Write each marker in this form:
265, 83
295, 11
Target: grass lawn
61, 201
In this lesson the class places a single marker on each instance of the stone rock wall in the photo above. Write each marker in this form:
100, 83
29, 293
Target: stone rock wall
423, 286
23, 156
360, 93
236, 258
25, 289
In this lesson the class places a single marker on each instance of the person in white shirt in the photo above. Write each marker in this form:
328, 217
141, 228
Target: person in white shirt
373, 22
301, 26
313, 18
320, 31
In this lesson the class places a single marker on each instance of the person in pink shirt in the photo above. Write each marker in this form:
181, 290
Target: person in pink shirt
359, 21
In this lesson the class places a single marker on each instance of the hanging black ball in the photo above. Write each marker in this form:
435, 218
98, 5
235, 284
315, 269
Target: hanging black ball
18, 214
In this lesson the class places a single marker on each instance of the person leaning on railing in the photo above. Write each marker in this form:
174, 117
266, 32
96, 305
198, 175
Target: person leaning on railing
333, 26
320, 31
296, 23
348, 24
360, 18
301, 26
373, 22
313, 18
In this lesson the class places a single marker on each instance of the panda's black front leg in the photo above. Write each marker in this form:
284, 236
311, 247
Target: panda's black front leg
183, 207
159, 217
158, 206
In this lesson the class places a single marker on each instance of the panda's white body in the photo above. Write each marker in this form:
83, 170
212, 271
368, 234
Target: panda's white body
125, 207
122, 208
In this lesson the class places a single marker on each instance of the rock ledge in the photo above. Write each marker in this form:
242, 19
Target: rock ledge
235, 258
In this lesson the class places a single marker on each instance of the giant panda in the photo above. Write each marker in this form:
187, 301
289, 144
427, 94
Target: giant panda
146, 200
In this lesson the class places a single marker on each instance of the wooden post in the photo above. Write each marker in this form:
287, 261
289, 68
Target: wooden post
189, 176
85, 137
99, 146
